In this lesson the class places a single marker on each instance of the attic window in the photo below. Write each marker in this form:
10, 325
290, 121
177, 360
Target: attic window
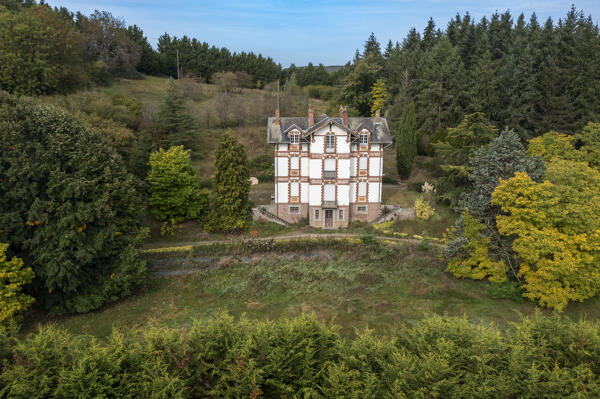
364, 138
294, 138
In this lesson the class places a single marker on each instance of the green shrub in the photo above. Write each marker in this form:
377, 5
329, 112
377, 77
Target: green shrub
512, 290
389, 180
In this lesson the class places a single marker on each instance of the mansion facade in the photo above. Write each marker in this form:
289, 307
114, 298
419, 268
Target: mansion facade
328, 170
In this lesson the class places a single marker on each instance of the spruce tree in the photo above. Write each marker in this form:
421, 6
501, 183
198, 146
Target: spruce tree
439, 99
484, 83
231, 186
406, 141
175, 125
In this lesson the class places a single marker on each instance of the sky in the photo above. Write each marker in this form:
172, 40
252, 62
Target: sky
302, 31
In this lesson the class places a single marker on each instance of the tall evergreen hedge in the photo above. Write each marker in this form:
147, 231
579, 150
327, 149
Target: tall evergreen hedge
439, 357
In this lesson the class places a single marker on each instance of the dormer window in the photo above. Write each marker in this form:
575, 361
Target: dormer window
364, 138
294, 138
330, 143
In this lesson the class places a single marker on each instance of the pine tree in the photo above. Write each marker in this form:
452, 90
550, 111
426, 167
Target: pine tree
175, 125
231, 186
406, 141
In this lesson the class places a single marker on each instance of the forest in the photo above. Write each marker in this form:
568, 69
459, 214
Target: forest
117, 156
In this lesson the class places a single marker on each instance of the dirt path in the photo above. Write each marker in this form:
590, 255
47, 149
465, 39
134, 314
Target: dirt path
287, 237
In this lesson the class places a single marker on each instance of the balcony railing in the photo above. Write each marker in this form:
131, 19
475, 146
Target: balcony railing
329, 174
330, 204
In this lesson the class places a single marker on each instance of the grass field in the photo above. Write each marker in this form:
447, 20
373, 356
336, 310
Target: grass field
354, 289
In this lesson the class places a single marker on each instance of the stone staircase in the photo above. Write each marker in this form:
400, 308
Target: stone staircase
394, 212
261, 213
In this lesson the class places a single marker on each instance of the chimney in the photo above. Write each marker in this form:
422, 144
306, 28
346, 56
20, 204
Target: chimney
377, 117
311, 116
277, 116
344, 115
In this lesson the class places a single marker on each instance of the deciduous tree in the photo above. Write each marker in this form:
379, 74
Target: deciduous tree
557, 228
13, 277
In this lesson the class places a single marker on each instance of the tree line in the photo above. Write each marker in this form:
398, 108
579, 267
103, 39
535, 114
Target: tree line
529, 75
47, 50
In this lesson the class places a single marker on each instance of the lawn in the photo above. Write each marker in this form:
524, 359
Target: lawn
357, 289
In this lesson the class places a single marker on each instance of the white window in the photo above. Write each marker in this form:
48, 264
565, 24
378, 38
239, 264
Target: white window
329, 143
329, 193
364, 138
340, 214
361, 209
294, 209
329, 168
362, 189
294, 138
317, 214
294, 189
362, 163
294, 163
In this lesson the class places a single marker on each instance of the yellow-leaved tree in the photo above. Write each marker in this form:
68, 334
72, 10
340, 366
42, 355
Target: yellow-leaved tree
556, 224
473, 260
13, 276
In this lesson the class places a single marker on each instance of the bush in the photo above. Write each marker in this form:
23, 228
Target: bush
221, 357
422, 209
512, 290
389, 180
416, 186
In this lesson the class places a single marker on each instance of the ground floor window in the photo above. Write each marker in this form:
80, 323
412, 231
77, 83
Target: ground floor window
340, 214
317, 214
294, 209
361, 209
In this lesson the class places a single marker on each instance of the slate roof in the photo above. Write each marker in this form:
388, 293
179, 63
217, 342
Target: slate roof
380, 133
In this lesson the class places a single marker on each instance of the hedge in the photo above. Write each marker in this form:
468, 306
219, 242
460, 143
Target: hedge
439, 357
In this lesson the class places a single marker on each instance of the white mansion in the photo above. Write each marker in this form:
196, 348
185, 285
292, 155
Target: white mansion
327, 169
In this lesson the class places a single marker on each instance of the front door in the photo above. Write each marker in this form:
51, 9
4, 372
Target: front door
328, 217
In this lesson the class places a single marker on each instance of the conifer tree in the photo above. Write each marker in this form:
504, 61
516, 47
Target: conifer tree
175, 193
175, 125
231, 186
439, 99
484, 84
406, 141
